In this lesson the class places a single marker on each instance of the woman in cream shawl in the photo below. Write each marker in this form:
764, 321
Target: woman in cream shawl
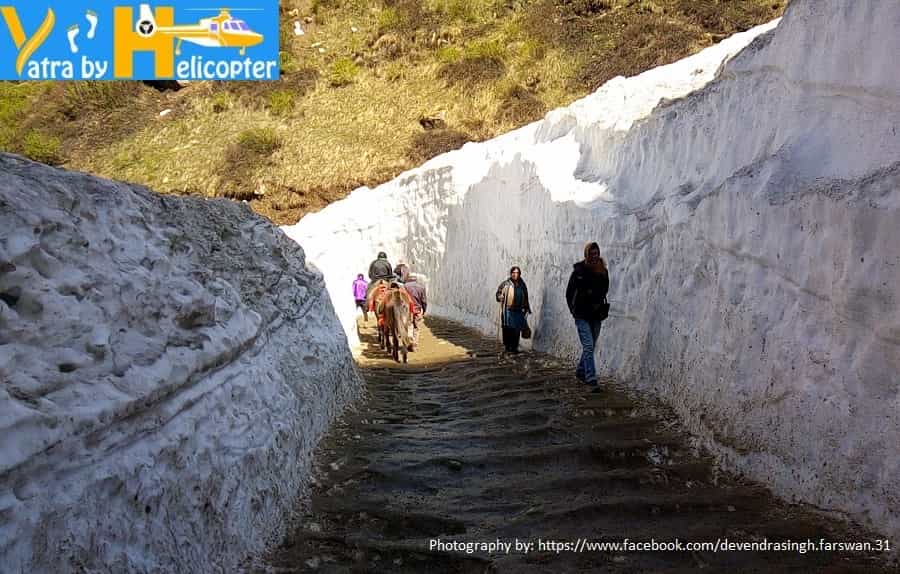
512, 295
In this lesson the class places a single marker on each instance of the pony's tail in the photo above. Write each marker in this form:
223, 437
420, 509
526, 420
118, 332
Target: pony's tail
401, 312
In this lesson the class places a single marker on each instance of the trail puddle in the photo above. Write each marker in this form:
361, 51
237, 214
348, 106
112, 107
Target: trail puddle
465, 444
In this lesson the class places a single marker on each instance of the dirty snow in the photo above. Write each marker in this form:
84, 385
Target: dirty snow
166, 368
748, 201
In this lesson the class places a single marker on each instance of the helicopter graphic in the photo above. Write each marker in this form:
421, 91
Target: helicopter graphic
222, 31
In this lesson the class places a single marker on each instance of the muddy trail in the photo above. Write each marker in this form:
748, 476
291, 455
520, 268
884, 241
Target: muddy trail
467, 444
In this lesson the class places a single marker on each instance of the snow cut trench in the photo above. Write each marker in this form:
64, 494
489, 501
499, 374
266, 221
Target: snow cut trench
748, 202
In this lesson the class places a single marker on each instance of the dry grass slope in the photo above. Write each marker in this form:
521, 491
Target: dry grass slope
370, 90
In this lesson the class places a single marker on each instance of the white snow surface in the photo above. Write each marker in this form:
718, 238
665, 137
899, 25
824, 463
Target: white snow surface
166, 367
747, 200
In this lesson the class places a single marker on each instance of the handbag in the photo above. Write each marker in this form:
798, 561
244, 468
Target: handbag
526, 332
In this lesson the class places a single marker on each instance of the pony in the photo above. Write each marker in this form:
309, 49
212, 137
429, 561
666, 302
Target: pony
375, 304
393, 308
397, 322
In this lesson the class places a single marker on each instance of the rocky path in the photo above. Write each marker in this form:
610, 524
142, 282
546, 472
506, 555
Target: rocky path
465, 445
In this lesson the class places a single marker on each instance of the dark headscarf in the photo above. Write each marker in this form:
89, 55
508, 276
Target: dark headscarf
600, 266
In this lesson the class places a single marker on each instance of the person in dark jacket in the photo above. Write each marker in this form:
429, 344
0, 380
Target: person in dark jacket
512, 295
586, 297
381, 268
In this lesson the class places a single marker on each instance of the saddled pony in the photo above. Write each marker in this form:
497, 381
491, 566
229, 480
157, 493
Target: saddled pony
375, 304
397, 322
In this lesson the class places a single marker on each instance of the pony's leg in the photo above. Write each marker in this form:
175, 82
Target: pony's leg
393, 341
395, 353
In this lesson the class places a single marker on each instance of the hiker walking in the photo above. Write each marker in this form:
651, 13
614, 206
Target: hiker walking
360, 287
401, 271
512, 295
417, 293
586, 297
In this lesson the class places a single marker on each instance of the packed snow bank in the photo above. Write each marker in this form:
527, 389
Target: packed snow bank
166, 367
749, 208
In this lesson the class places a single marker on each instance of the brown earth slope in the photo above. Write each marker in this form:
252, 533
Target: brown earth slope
371, 89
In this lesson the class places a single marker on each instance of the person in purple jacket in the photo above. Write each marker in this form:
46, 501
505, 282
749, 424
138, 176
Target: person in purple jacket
359, 293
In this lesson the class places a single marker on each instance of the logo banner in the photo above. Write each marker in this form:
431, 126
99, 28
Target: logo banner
111, 40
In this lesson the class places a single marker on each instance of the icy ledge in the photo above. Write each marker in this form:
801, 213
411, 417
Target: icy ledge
166, 367
748, 201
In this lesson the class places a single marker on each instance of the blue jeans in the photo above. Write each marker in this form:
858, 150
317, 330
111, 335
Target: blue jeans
588, 331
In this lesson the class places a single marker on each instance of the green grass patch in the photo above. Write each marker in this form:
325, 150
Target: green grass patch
533, 50
649, 7
468, 11
43, 148
13, 102
489, 49
343, 72
449, 54
82, 96
244, 160
221, 102
289, 63
281, 102
395, 71
482, 61
390, 20
261, 141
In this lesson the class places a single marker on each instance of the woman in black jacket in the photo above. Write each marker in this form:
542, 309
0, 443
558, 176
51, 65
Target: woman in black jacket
586, 296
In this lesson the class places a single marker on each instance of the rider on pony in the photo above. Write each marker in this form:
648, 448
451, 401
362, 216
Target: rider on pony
380, 291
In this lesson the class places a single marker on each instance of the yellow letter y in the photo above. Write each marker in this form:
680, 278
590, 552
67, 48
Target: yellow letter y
26, 46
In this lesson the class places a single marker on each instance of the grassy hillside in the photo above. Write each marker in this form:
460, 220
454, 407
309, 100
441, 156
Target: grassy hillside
371, 89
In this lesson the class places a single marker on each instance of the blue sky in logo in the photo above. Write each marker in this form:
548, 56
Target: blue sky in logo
261, 17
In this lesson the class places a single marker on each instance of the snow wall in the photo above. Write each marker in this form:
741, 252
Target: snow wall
166, 367
748, 202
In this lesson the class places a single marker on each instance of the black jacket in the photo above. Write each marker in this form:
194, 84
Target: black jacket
586, 292
380, 269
